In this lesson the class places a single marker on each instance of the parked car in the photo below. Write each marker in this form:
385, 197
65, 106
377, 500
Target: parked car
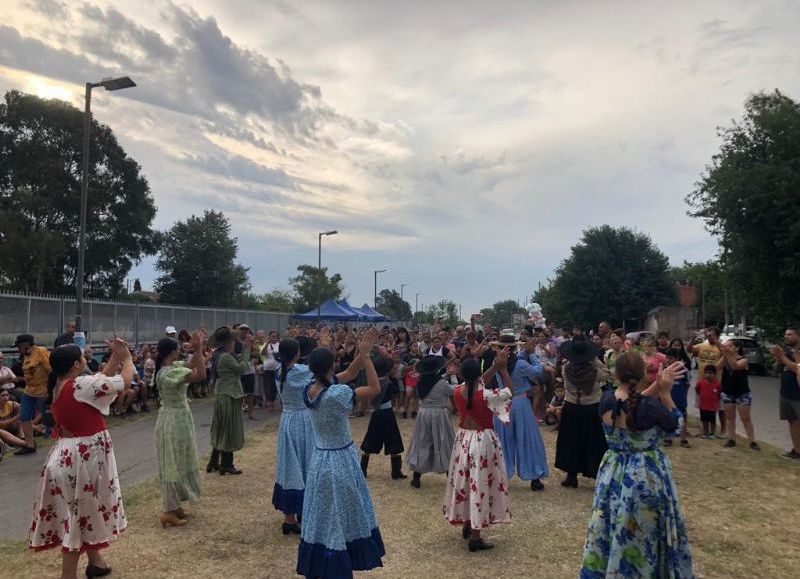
752, 350
637, 337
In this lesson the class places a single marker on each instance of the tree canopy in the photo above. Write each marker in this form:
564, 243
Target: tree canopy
748, 198
312, 286
277, 300
198, 262
612, 274
41, 155
445, 311
391, 304
500, 315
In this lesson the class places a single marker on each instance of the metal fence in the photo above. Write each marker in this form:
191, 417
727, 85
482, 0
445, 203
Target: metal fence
44, 317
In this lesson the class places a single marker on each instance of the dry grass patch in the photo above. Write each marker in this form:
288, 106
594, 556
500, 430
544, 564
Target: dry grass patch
740, 508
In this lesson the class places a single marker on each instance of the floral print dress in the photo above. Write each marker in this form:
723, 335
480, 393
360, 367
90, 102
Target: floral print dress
636, 528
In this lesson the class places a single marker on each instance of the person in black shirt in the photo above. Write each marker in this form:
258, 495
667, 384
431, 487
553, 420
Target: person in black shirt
68, 337
662, 342
736, 393
383, 432
786, 362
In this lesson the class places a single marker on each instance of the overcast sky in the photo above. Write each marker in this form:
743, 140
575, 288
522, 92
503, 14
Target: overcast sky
462, 146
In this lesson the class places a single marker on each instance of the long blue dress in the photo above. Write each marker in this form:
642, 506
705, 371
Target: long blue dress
636, 528
295, 442
523, 447
340, 532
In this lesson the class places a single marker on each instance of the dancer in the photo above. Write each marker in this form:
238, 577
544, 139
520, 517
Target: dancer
176, 447
581, 442
636, 528
79, 504
383, 432
433, 438
340, 533
295, 434
477, 494
523, 447
227, 426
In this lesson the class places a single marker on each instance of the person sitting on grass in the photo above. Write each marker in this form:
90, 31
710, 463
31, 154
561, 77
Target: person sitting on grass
553, 416
9, 413
708, 395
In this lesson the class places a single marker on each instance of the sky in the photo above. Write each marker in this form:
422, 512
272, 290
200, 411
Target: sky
461, 146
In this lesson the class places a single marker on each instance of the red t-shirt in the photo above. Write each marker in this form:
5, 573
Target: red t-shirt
411, 377
480, 412
708, 393
78, 418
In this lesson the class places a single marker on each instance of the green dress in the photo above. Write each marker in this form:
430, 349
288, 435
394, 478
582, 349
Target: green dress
227, 425
176, 447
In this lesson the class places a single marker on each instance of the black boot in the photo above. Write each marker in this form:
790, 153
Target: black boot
397, 466
364, 463
571, 481
478, 545
416, 480
227, 464
213, 462
536, 485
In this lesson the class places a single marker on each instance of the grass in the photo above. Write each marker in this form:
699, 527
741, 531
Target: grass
740, 506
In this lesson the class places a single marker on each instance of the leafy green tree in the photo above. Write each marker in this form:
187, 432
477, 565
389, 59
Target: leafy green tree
748, 198
391, 304
612, 274
500, 314
41, 151
445, 310
709, 281
278, 300
197, 260
312, 287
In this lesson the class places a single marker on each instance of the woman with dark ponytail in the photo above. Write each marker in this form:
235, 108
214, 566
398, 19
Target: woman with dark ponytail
340, 533
636, 528
79, 504
176, 447
477, 485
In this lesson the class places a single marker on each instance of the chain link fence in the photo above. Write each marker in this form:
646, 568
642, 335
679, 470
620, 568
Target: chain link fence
44, 317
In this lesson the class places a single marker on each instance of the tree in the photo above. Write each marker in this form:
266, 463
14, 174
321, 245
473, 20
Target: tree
612, 274
391, 304
748, 198
197, 259
41, 152
312, 286
446, 311
709, 281
500, 314
277, 300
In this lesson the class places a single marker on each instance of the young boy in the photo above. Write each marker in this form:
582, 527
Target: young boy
553, 415
708, 394
383, 432
680, 396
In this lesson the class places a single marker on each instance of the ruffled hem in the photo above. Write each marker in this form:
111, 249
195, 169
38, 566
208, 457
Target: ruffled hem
288, 501
315, 560
82, 549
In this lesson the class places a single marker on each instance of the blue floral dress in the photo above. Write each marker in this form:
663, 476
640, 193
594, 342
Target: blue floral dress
340, 532
295, 442
636, 528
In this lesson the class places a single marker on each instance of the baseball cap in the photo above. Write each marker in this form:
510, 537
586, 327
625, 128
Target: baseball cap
170, 330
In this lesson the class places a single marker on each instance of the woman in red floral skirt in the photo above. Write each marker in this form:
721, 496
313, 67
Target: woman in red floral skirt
79, 505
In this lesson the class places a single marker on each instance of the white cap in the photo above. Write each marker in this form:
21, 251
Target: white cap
170, 330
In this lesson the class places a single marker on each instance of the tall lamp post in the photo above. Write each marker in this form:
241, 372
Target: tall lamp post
319, 269
377, 271
108, 84
416, 304
402, 285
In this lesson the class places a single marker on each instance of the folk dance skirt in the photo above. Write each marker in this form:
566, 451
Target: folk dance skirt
523, 447
176, 450
79, 504
295, 449
477, 486
227, 424
432, 442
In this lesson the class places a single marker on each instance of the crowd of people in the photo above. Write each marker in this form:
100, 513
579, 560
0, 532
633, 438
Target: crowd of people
614, 403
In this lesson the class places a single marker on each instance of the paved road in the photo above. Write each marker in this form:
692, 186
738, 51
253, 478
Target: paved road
134, 450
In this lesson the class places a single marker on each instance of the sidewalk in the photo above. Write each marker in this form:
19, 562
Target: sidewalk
134, 450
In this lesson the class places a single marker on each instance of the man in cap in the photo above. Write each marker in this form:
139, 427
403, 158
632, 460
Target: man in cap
171, 332
36, 369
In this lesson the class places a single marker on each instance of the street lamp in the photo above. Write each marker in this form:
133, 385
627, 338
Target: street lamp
319, 269
402, 285
108, 84
377, 271
416, 304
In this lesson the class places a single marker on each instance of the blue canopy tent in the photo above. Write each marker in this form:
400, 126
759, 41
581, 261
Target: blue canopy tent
330, 311
372, 315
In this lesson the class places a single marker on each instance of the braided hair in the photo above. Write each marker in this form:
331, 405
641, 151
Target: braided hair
471, 371
630, 370
164, 348
320, 362
287, 350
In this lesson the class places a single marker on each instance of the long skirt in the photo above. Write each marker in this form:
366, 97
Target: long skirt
383, 433
79, 504
295, 449
176, 449
227, 424
340, 532
477, 486
522, 442
432, 442
581, 441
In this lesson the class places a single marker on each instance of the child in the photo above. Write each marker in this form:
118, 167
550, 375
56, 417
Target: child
680, 396
708, 395
383, 432
410, 380
553, 415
